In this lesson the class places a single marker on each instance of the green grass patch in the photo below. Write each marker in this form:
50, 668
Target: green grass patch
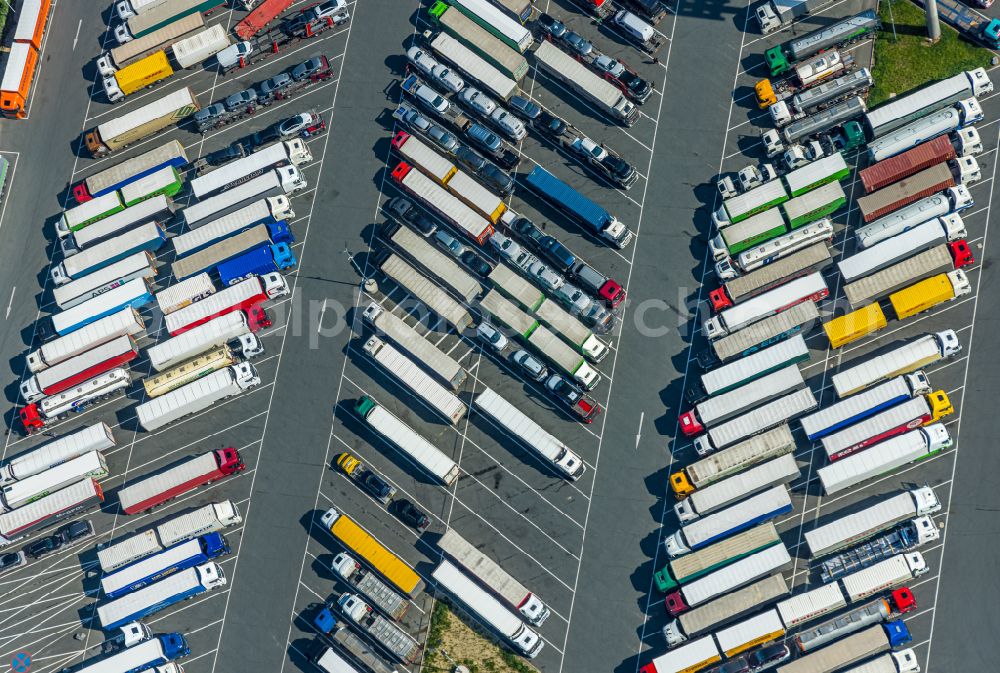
906, 60
4, 10
452, 641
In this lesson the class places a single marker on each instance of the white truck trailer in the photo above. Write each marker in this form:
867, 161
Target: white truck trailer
270, 209
919, 103
435, 262
417, 381
426, 291
889, 423
230, 329
904, 661
951, 200
184, 293
754, 366
770, 330
495, 82
862, 525
708, 529
907, 358
529, 433
762, 418
281, 181
292, 152
884, 575
126, 322
197, 396
157, 208
414, 343
487, 609
718, 408
159, 595
84, 495
90, 465
498, 580
808, 288
607, 97
96, 437
899, 247
409, 441
733, 576
939, 259
139, 265
721, 494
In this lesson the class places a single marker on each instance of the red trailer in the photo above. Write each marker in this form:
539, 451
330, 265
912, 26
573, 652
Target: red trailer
76, 370
925, 183
80, 497
906, 164
159, 488
257, 20
246, 296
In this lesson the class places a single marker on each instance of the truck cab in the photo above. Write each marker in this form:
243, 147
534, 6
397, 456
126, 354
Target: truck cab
128, 635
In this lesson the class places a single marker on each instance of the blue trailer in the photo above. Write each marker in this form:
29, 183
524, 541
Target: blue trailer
708, 529
194, 240
586, 212
135, 293
148, 237
257, 262
160, 595
167, 562
143, 656
859, 407
128, 171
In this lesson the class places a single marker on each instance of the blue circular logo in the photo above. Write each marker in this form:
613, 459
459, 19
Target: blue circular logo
21, 662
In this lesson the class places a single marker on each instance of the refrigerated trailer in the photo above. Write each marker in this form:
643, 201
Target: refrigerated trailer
155, 209
96, 437
133, 294
146, 237
77, 369
247, 295
272, 212
762, 418
126, 322
82, 496
909, 357
718, 408
273, 186
859, 407
159, 595
900, 247
423, 289
939, 259
90, 465
709, 559
154, 490
292, 152
766, 332
724, 609
196, 396
809, 288
706, 530
435, 262
889, 423
231, 329
919, 103
167, 562
131, 127
753, 367
779, 470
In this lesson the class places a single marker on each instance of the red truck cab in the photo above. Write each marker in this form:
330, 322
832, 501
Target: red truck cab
719, 299
961, 255
690, 425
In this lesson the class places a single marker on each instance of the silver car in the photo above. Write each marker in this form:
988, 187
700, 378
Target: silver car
574, 297
478, 101
449, 243
530, 365
546, 277
509, 124
491, 336
412, 117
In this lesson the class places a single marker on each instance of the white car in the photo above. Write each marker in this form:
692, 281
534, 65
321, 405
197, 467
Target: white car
429, 98
574, 297
430, 68
491, 336
478, 101
546, 277
509, 124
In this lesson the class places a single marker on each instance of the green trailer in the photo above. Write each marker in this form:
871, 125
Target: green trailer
816, 174
814, 205
162, 15
757, 229
96, 209
166, 181
692, 566
4, 170
757, 200
471, 34
497, 23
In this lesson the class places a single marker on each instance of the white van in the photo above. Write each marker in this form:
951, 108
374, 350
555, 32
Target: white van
635, 28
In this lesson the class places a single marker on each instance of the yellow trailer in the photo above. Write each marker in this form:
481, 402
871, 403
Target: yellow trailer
189, 371
144, 73
854, 325
930, 292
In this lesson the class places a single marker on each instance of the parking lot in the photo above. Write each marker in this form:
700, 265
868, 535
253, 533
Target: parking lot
588, 547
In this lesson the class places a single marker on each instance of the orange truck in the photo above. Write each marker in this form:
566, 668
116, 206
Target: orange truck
23, 59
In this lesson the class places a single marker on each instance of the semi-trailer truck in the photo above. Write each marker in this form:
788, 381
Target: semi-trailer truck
37, 415
717, 555
375, 590
939, 259
189, 371
918, 103
279, 182
773, 15
604, 95
779, 470
90, 465
752, 367
423, 289
762, 418
231, 329
156, 209
163, 564
929, 181
157, 489
414, 343
126, 322
952, 200
949, 228
847, 530
169, 154
197, 396
75, 370
813, 258
765, 446
292, 152
96, 437
777, 141
859, 407
444, 203
763, 333
273, 212
247, 295
930, 292
718, 408
82, 496
147, 237
903, 359
905, 537
884, 575
910, 162
706, 530
597, 221
141, 265
809, 288
948, 123
159, 595
412, 444
805, 102
854, 648
133, 294
153, 654
889, 423
131, 127
494, 577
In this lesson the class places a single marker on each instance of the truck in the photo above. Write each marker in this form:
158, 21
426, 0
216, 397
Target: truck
433, 261
480, 57
777, 141
970, 23
904, 537
856, 408
231, 329
494, 577
277, 183
184, 293
893, 421
721, 494
704, 618
157, 209
930, 292
749, 203
341, 635
884, 575
37, 415
802, 78
602, 94
75, 370
850, 327
842, 625
774, 249
762, 418
773, 15
763, 628
133, 294
147, 237
94, 210
424, 290
152, 654
126, 322
487, 609
161, 15
929, 181
189, 371
505, 58
96, 437
949, 123
493, 18
809, 288
763, 333
122, 55
159, 595
196, 396
401, 435
152, 568
834, 536
694, 656
292, 152
939, 259
418, 382
762, 363
718, 408
149, 492
733, 576
109, 180
131, 127
374, 589
367, 548
781, 58
758, 448
921, 102
207, 519
82, 496
406, 337
391, 637
246, 295
884, 457
814, 205
272, 212
706, 530
910, 162
90, 465
903, 359
815, 257
715, 556
820, 97
529, 433
854, 648
904, 661
944, 230
469, 222
257, 261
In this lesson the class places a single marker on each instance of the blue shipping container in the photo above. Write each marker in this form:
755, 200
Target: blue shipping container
257, 262
560, 194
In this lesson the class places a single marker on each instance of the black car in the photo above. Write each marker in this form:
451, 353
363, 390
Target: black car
225, 155
403, 209
557, 253
524, 108
11, 560
476, 263
257, 140
470, 159
550, 125
78, 530
497, 179
527, 230
376, 485
617, 167
769, 656
410, 515
44, 546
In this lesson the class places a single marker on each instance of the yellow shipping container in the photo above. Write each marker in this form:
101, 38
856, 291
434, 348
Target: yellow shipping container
854, 325
146, 72
928, 293
363, 545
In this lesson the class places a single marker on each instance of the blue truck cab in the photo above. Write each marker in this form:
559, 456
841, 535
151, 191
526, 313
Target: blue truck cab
167, 562
897, 633
257, 262
324, 621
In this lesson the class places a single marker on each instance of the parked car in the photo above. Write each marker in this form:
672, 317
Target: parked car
275, 85
497, 179
328, 8
738, 665
524, 107
444, 139
409, 514
430, 99
404, 210
479, 266
44, 546
509, 124
550, 125
470, 159
209, 116
544, 276
581, 405
551, 25
510, 250
527, 230
412, 118
440, 74
304, 124
11, 560
78, 530
318, 67
491, 143
531, 366
477, 101
491, 336
451, 245
241, 100
225, 155
634, 28
616, 71
255, 141
557, 253
768, 657
577, 43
